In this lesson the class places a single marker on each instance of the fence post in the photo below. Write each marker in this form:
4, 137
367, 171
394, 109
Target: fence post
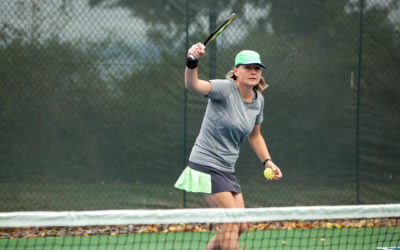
358, 103
212, 48
185, 103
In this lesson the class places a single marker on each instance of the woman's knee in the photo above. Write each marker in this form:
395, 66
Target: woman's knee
235, 228
242, 227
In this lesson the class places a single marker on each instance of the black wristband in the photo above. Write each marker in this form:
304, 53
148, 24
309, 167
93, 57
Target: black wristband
268, 159
192, 64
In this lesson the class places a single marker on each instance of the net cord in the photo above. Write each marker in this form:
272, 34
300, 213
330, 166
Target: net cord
202, 215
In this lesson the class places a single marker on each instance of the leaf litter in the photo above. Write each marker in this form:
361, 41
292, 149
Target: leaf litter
34, 232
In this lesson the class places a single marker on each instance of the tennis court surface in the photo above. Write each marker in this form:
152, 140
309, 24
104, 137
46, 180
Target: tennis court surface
313, 227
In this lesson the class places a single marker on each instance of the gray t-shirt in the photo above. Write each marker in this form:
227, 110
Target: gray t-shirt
227, 122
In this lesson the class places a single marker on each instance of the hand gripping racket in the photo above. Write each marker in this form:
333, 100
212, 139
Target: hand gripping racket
216, 32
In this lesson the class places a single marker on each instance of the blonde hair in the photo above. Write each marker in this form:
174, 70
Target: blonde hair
262, 84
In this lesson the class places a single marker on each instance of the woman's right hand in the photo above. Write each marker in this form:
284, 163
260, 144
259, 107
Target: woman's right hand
197, 51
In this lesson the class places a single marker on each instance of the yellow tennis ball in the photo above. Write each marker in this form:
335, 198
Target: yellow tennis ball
268, 173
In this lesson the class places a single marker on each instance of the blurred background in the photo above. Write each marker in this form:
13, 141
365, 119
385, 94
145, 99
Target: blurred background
94, 113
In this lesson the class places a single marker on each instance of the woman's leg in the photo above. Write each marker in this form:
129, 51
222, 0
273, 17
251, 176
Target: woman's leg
227, 237
240, 204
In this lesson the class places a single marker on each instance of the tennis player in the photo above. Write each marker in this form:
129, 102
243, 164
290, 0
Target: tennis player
234, 112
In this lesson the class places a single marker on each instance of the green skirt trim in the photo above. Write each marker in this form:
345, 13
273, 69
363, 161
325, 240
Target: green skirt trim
194, 181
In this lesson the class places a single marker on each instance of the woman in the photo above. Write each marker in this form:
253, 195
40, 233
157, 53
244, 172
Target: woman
234, 112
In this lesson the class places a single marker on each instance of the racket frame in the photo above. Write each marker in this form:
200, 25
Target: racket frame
216, 32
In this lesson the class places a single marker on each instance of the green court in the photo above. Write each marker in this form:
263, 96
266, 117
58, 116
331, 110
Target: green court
322, 238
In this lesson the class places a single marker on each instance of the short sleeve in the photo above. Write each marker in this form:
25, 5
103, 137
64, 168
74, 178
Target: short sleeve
260, 116
220, 89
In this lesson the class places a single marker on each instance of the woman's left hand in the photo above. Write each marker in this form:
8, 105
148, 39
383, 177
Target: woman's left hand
277, 172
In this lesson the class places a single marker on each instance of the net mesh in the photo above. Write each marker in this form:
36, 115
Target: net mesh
321, 227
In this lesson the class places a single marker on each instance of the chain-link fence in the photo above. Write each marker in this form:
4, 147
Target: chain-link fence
94, 113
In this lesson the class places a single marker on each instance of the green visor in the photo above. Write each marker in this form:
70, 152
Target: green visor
194, 181
246, 57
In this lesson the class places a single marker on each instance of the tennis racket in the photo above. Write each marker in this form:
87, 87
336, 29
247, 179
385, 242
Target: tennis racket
216, 32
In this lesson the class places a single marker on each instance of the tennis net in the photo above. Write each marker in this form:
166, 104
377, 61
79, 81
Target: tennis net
313, 227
